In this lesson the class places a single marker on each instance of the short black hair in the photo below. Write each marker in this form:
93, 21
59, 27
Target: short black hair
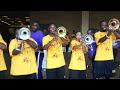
92, 30
77, 32
51, 24
36, 21
102, 22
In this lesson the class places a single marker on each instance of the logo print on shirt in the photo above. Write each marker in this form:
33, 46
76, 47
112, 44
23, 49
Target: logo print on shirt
26, 60
107, 49
79, 58
55, 55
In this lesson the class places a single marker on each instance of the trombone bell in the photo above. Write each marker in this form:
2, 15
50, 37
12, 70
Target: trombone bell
88, 39
24, 33
61, 31
114, 24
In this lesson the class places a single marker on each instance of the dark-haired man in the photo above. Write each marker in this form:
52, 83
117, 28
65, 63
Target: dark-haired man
104, 66
38, 35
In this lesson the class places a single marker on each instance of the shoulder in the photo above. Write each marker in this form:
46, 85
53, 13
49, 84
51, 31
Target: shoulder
97, 34
13, 40
46, 37
40, 31
31, 39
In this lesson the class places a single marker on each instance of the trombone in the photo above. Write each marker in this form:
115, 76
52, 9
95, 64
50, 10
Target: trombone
114, 24
61, 31
23, 33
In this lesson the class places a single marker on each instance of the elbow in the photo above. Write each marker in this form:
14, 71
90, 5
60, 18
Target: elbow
35, 47
44, 48
4, 48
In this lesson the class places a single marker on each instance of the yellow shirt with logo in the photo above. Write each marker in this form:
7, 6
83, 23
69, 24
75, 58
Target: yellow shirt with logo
2, 60
104, 50
77, 59
23, 63
55, 57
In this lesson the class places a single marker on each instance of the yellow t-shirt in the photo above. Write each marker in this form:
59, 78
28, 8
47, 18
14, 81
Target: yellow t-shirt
23, 63
73, 37
67, 38
104, 50
2, 60
77, 59
55, 57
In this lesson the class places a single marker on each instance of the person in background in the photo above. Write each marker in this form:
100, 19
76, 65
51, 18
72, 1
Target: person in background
116, 49
38, 35
73, 35
92, 49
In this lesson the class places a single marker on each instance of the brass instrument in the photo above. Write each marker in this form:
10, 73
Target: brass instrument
24, 33
114, 24
61, 31
88, 39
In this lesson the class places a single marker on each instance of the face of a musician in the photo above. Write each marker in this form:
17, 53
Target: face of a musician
103, 26
78, 35
52, 28
35, 26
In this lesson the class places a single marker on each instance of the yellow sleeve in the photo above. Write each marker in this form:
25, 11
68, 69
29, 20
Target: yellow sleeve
33, 41
113, 36
12, 46
2, 41
72, 44
97, 38
44, 41
1, 37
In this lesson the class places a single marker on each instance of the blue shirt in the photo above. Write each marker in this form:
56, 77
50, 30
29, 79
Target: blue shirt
119, 44
38, 36
92, 49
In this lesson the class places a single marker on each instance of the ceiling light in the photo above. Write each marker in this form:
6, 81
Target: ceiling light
2, 21
12, 21
5, 16
27, 17
19, 21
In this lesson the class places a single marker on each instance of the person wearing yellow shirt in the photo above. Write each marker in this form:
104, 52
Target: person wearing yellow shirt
77, 66
23, 60
73, 35
3, 68
55, 63
104, 65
